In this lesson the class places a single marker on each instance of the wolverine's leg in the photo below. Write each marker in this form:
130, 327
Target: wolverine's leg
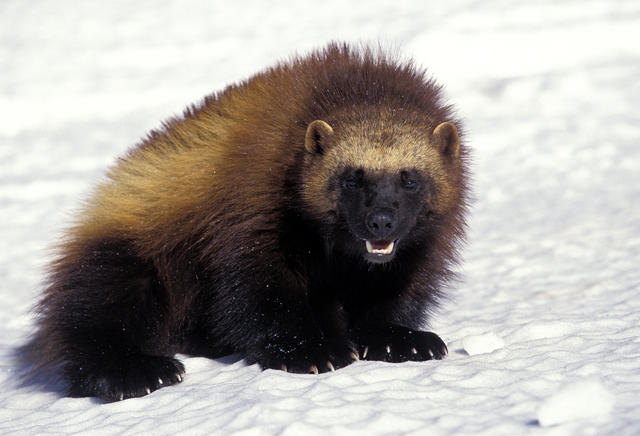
103, 323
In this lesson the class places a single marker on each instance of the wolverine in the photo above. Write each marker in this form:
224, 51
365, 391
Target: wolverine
307, 218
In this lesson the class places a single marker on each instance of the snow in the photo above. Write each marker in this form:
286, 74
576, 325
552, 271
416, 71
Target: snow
485, 343
543, 325
580, 400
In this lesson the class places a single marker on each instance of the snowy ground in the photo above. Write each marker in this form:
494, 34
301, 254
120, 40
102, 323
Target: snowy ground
543, 330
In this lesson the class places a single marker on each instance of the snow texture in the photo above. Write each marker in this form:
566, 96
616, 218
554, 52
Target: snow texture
549, 91
582, 399
478, 344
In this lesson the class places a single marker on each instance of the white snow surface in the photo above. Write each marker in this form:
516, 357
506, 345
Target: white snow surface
581, 399
549, 92
479, 344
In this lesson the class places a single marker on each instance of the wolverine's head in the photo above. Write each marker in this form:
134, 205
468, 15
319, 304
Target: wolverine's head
380, 186
379, 209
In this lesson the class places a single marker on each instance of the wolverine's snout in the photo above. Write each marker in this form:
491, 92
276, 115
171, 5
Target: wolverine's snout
381, 222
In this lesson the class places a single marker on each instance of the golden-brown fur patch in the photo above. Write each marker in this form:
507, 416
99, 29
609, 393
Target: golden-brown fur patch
383, 114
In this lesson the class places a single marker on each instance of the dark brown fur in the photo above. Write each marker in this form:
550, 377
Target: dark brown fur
214, 234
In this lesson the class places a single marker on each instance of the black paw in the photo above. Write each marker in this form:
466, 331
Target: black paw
305, 356
398, 344
134, 376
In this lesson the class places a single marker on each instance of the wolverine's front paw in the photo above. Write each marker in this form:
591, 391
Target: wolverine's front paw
128, 377
305, 356
398, 344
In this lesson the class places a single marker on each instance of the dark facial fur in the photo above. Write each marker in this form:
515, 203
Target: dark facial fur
380, 210
242, 226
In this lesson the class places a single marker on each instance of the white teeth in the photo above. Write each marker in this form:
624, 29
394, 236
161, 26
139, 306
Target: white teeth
387, 250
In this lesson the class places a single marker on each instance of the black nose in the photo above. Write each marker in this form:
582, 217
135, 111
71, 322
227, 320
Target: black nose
381, 223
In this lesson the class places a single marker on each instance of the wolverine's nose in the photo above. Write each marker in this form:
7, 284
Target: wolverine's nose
381, 223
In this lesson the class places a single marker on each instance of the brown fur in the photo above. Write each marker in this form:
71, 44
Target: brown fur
205, 196
252, 130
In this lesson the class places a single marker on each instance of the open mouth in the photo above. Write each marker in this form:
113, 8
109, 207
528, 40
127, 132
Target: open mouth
380, 247
380, 251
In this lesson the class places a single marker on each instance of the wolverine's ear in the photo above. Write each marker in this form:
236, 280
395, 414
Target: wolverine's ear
445, 138
318, 134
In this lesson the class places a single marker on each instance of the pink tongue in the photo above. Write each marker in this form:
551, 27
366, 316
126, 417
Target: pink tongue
379, 245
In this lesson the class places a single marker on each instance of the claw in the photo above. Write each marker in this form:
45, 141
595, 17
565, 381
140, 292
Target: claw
284, 367
354, 356
364, 353
313, 369
178, 377
160, 381
121, 397
148, 391
430, 353
414, 351
330, 366
445, 350
388, 349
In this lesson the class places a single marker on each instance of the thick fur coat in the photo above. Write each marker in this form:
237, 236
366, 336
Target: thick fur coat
307, 217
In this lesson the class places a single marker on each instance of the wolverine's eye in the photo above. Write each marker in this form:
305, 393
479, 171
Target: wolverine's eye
352, 183
354, 180
409, 182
